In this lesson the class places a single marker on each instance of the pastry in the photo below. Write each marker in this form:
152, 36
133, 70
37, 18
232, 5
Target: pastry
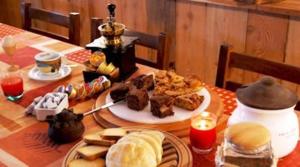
110, 68
82, 162
119, 91
92, 152
97, 58
115, 73
101, 67
137, 99
144, 82
113, 133
171, 84
96, 139
136, 149
189, 101
161, 106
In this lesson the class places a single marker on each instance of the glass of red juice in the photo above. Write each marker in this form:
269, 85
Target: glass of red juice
12, 85
203, 132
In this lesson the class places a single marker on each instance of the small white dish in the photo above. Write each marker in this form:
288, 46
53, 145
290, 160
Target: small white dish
63, 72
42, 113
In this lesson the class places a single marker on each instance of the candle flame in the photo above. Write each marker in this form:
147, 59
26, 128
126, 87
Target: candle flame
203, 124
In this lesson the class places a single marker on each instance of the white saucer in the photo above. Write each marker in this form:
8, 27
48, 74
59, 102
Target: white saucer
145, 116
35, 74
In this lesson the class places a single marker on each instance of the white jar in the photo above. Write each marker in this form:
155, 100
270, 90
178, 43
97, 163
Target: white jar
282, 123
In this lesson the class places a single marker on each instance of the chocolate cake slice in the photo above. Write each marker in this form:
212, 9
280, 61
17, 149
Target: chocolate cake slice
162, 106
144, 82
137, 99
119, 91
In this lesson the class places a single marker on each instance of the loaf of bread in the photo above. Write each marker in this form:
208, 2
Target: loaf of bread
82, 162
154, 143
136, 149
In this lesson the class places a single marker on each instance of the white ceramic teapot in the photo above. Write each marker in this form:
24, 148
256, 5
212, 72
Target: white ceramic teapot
268, 103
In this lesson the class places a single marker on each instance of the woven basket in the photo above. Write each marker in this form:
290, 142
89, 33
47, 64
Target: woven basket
258, 1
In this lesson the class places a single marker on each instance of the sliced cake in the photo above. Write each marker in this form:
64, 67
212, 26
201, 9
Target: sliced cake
137, 99
189, 101
144, 82
119, 91
162, 106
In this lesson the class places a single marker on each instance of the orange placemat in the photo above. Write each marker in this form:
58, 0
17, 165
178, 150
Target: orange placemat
22, 57
33, 147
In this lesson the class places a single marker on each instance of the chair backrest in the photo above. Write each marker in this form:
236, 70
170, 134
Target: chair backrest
150, 41
228, 59
72, 22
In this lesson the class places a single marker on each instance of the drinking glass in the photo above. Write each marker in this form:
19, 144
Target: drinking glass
9, 47
12, 85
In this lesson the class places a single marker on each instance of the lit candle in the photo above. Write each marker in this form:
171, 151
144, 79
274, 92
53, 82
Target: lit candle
203, 132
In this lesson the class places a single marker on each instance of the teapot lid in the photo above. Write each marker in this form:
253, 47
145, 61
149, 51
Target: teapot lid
266, 94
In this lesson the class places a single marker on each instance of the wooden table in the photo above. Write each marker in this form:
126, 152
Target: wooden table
24, 141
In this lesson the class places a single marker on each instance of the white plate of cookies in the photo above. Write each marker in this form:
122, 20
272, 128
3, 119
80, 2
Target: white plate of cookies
171, 98
134, 147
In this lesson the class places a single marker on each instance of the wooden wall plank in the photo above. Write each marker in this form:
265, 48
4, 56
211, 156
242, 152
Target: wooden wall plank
223, 25
194, 30
200, 30
266, 38
190, 38
10, 12
293, 49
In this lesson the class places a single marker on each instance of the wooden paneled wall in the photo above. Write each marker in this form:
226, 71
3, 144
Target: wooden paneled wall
201, 29
195, 31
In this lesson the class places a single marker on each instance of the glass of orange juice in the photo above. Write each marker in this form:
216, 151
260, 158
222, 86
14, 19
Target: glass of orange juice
12, 85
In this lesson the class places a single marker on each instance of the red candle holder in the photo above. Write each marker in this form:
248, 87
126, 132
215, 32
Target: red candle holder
12, 85
203, 132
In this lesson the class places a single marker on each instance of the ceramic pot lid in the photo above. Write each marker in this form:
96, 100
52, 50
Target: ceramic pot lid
266, 94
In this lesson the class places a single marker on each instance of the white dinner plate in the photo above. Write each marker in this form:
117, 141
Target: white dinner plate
145, 116
63, 72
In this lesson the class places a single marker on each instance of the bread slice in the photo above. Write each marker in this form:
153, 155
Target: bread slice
96, 139
82, 162
92, 152
113, 133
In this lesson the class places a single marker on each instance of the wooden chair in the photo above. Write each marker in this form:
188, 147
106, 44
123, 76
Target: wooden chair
72, 22
229, 59
150, 41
